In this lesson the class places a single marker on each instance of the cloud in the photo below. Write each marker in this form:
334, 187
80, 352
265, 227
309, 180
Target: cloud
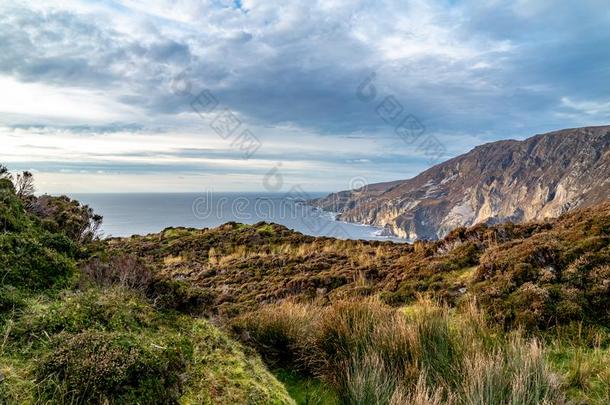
296, 62
470, 71
588, 107
38, 102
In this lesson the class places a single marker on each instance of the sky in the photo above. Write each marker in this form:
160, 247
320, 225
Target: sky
194, 95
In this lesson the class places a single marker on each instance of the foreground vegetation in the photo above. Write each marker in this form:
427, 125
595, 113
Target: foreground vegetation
117, 335
349, 314
111, 345
504, 314
373, 354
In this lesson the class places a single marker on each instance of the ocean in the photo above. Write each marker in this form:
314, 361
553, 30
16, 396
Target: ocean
129, 214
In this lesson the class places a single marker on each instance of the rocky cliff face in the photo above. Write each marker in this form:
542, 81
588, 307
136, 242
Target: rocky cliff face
540, 177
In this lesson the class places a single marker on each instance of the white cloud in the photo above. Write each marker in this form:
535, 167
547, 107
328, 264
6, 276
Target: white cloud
289, 70
41, 101
588, 107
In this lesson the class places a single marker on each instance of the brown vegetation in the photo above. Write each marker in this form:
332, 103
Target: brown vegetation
536, 274
374, 354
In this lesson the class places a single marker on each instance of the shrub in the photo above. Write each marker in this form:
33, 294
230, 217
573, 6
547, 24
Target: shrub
31, 257
112, 367
67, 216
180, 296
12, 214
27, 261
125, 271
129, 272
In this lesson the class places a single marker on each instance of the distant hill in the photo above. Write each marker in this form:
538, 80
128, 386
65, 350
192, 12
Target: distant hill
514, 271
541, 177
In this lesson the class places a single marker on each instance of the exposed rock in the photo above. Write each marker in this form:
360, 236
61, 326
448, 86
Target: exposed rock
541, 177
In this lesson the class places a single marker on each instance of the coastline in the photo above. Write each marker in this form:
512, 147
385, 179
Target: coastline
141, 214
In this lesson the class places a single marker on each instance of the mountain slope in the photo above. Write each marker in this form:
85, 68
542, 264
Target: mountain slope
541, 177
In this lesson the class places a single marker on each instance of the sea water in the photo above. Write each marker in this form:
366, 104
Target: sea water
129, 214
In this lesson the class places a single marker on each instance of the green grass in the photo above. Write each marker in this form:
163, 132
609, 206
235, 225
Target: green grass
266, 228
585, 372
306, 390
111, 345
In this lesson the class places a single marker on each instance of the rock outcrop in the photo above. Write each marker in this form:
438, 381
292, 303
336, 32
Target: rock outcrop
540, 177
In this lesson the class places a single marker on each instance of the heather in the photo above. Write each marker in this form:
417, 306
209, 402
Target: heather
258, 314
74, 332
534, 275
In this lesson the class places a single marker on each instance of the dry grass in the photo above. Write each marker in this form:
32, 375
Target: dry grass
126, 271
373, 354
172, 260
533, 275
281, 333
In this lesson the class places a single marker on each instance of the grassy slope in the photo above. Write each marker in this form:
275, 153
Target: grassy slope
61, 343
208, 367
551, 279
535, 275
47, 355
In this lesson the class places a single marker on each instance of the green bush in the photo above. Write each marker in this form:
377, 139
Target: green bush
31, 257
180, 296
66, 216
12, 214
27, 260
117, 368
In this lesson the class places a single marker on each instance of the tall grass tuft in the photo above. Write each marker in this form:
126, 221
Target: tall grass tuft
366, 380
517, 374
374, 354
281, 333
439, 350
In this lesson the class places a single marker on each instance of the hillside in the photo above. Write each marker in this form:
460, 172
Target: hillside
541, 177
539, 273
260, 314
69, 336
505, 313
